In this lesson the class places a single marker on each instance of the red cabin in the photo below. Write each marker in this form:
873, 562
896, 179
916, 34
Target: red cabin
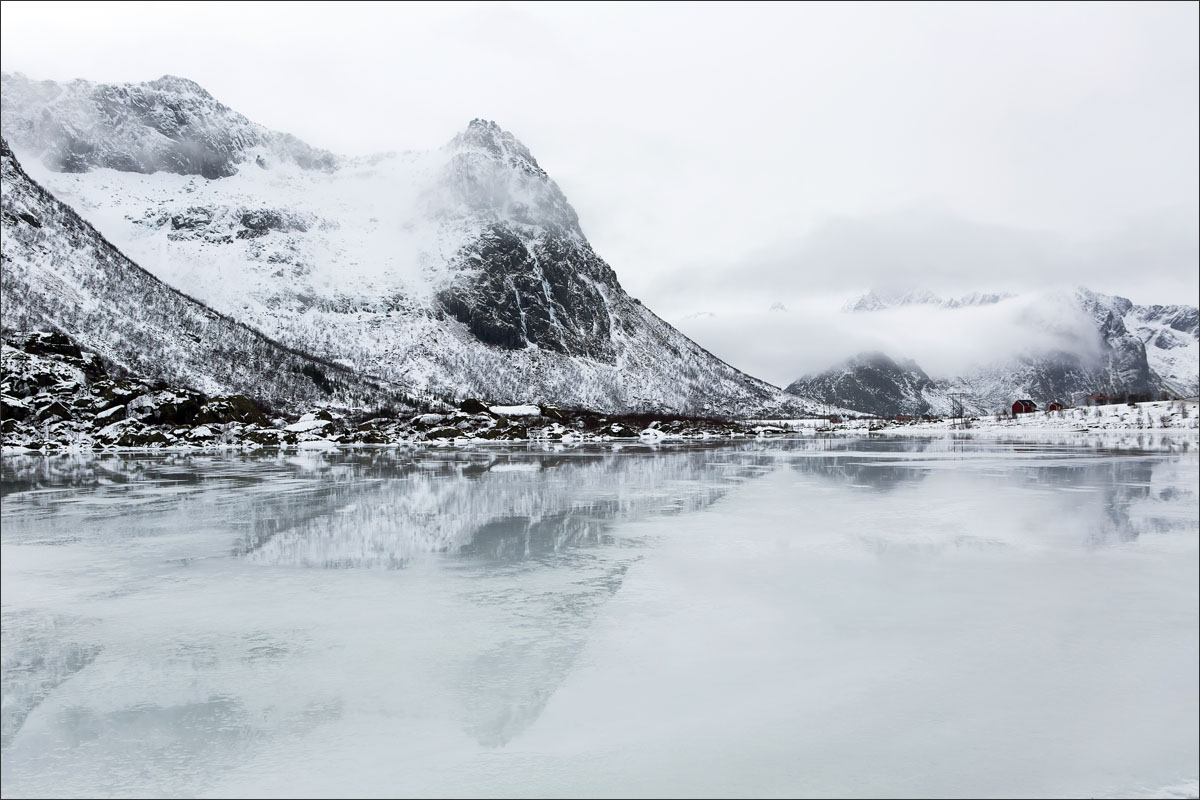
1024, 407
1055, 407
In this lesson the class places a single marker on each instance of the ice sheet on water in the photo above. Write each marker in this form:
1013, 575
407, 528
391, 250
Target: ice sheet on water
817, 618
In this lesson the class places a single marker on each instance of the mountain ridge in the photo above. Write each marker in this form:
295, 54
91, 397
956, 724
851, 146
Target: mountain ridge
59, 272
1144, 351
459, 271
169, 124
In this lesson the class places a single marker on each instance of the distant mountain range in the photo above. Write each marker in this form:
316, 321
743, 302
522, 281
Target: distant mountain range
1144, 351
879, 299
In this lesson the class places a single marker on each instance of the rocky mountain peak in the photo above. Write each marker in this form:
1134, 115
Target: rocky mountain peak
872, 382
881, 299
177, 85
1185, 319
874, 358
530, 277
878, 299
492, 176
1107, 311
485, 137
166, 125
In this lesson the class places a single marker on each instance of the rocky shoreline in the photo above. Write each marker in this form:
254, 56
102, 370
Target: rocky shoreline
56, 398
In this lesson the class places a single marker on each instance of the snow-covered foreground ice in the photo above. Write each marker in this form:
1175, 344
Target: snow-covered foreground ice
795, 618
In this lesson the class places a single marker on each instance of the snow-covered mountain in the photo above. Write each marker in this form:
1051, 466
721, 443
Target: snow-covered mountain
58, 273
880, 299
1170, 334
875, 384
462, 270
1124, 350
167, 125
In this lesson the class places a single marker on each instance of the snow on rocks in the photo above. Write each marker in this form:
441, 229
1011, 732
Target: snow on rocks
306, 423
114, 413
1176, 415
516, 411
1176, 421
63, 401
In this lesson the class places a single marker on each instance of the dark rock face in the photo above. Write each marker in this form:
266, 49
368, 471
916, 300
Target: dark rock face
169, 125
512, 295
871, 383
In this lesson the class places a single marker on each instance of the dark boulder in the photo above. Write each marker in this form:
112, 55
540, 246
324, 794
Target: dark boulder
111, 415
11, 408
232, 408
55, 409
142, 437
473, 406
504, 433
52, 344
93, 367
114, 393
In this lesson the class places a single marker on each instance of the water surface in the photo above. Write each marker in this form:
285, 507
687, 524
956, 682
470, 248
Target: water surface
814, 618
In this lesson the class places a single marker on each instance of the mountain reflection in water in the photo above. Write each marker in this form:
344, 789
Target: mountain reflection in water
171, 617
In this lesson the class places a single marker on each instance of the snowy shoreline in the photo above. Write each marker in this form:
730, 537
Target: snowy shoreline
1159, 415
59, 399
1169, 439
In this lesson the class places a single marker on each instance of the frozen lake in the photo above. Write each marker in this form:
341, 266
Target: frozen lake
812, 618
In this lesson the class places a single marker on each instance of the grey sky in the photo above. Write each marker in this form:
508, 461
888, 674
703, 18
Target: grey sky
722, 153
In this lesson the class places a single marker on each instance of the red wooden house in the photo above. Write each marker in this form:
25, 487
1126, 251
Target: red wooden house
1055, 406
1024, 407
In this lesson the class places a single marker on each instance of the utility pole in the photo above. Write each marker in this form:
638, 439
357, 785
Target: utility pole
957, 408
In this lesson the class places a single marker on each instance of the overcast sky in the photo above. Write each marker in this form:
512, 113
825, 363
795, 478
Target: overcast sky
726, 157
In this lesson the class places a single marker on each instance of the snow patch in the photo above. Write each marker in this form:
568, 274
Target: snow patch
516, 411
